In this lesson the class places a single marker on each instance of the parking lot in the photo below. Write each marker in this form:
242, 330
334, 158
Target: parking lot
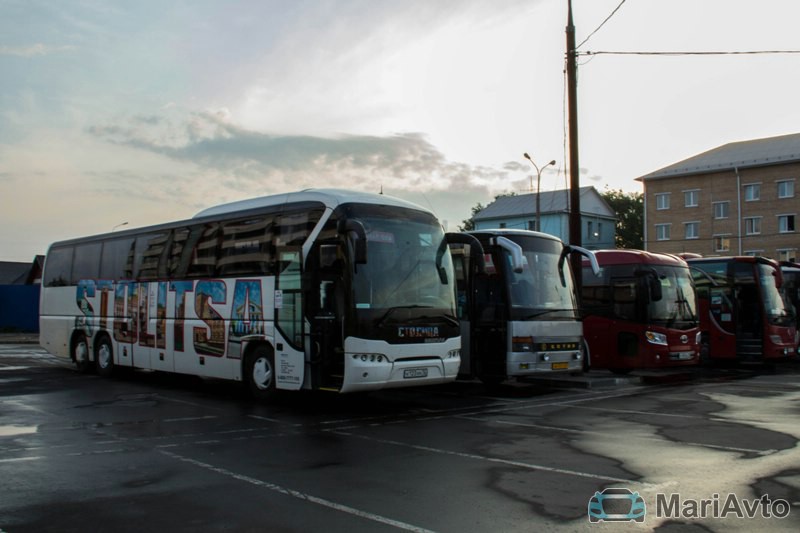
171, 453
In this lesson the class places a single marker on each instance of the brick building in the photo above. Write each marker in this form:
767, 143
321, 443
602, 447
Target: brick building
738, 199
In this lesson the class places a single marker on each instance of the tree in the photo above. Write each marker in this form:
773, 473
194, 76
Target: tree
629, 208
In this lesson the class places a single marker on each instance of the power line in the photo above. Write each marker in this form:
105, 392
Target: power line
601, 25
706, 53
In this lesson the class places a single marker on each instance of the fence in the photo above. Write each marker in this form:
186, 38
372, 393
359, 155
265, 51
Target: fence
19, 308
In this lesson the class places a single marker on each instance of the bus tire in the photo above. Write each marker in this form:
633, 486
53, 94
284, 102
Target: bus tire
587, 363
259, 373
80, 354
104, 356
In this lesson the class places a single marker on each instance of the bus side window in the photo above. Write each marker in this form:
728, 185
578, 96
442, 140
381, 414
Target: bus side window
86, 263
246, 247
149, 253
203, 262
58, 267
114, 258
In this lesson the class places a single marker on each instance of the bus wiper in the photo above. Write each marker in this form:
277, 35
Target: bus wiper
548, 311
391, 310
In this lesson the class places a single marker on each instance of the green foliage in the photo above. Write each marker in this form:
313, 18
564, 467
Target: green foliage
629, 208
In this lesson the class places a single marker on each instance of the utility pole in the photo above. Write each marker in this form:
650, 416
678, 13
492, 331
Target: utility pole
574, 165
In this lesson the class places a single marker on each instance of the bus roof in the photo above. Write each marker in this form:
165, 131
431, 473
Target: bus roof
329, 197
626, 256
735, 258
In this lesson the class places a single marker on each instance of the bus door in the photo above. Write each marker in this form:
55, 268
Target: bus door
747, 311
326, 308
489, 312
290, 334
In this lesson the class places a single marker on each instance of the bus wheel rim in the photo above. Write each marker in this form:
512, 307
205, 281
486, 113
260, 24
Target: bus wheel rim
104, 356
262, 373
80, 352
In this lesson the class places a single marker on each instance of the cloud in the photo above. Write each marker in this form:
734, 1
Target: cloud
405, 161
32, 50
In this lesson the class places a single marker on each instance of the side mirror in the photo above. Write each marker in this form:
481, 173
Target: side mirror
517, 263
475, 249
357, 235
654, 284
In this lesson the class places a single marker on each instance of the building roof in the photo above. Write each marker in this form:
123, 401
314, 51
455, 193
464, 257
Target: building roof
13, 273
742, 154
550, 202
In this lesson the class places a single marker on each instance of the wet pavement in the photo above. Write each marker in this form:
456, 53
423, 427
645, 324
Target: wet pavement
145, 450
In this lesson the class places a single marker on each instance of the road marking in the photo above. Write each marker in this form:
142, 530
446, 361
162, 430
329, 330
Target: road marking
19, 459
189, 418
297, 494
465, 455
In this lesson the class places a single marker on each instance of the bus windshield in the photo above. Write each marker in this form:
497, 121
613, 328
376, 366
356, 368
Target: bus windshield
408, 265
677, 306
538, 293
777, 311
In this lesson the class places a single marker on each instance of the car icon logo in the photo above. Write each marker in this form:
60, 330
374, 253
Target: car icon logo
616, 505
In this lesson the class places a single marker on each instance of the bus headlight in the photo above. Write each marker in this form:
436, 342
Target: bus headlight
371, 357
655, 338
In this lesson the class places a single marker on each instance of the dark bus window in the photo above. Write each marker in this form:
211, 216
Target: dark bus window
179, 254
86, 263
58, 267
292, 229
149, 249
114, 258
203, 242
246, 247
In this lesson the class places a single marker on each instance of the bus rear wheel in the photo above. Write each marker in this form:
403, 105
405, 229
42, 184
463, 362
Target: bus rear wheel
80, 354
259, 372
104, 356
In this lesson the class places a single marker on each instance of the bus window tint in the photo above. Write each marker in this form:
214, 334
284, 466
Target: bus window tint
179, 253
292, 229
86, 264
149, 249
246, 247
58, 270
114, 258
203, 263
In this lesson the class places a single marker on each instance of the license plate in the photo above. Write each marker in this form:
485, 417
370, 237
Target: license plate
411, 373
559, 366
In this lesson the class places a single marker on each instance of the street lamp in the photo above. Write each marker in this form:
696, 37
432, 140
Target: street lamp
538, 185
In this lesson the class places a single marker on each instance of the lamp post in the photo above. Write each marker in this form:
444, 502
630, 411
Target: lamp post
538, 185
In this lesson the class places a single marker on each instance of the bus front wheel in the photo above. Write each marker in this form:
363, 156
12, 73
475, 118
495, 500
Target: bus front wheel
104, 356
260, 373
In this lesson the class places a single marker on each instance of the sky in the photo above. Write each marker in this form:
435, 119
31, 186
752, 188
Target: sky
136, 113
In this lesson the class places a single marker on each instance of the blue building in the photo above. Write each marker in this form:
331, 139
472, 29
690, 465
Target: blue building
598, 220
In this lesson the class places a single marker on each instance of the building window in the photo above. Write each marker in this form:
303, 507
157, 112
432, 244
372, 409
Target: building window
599, 230
789, 254
786, 189
691, 198
691, 230
752, 192
721, 209
662, 200
786, 223
502, 225
722, 243
752, 226
532, 225
753, 253
662, 232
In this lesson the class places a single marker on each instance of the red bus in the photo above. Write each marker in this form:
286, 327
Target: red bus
743, 313
640, 312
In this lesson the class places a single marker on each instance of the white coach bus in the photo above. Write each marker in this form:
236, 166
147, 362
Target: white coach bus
318, 289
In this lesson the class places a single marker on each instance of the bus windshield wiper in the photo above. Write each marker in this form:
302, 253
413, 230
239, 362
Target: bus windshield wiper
548, 311
391, 310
